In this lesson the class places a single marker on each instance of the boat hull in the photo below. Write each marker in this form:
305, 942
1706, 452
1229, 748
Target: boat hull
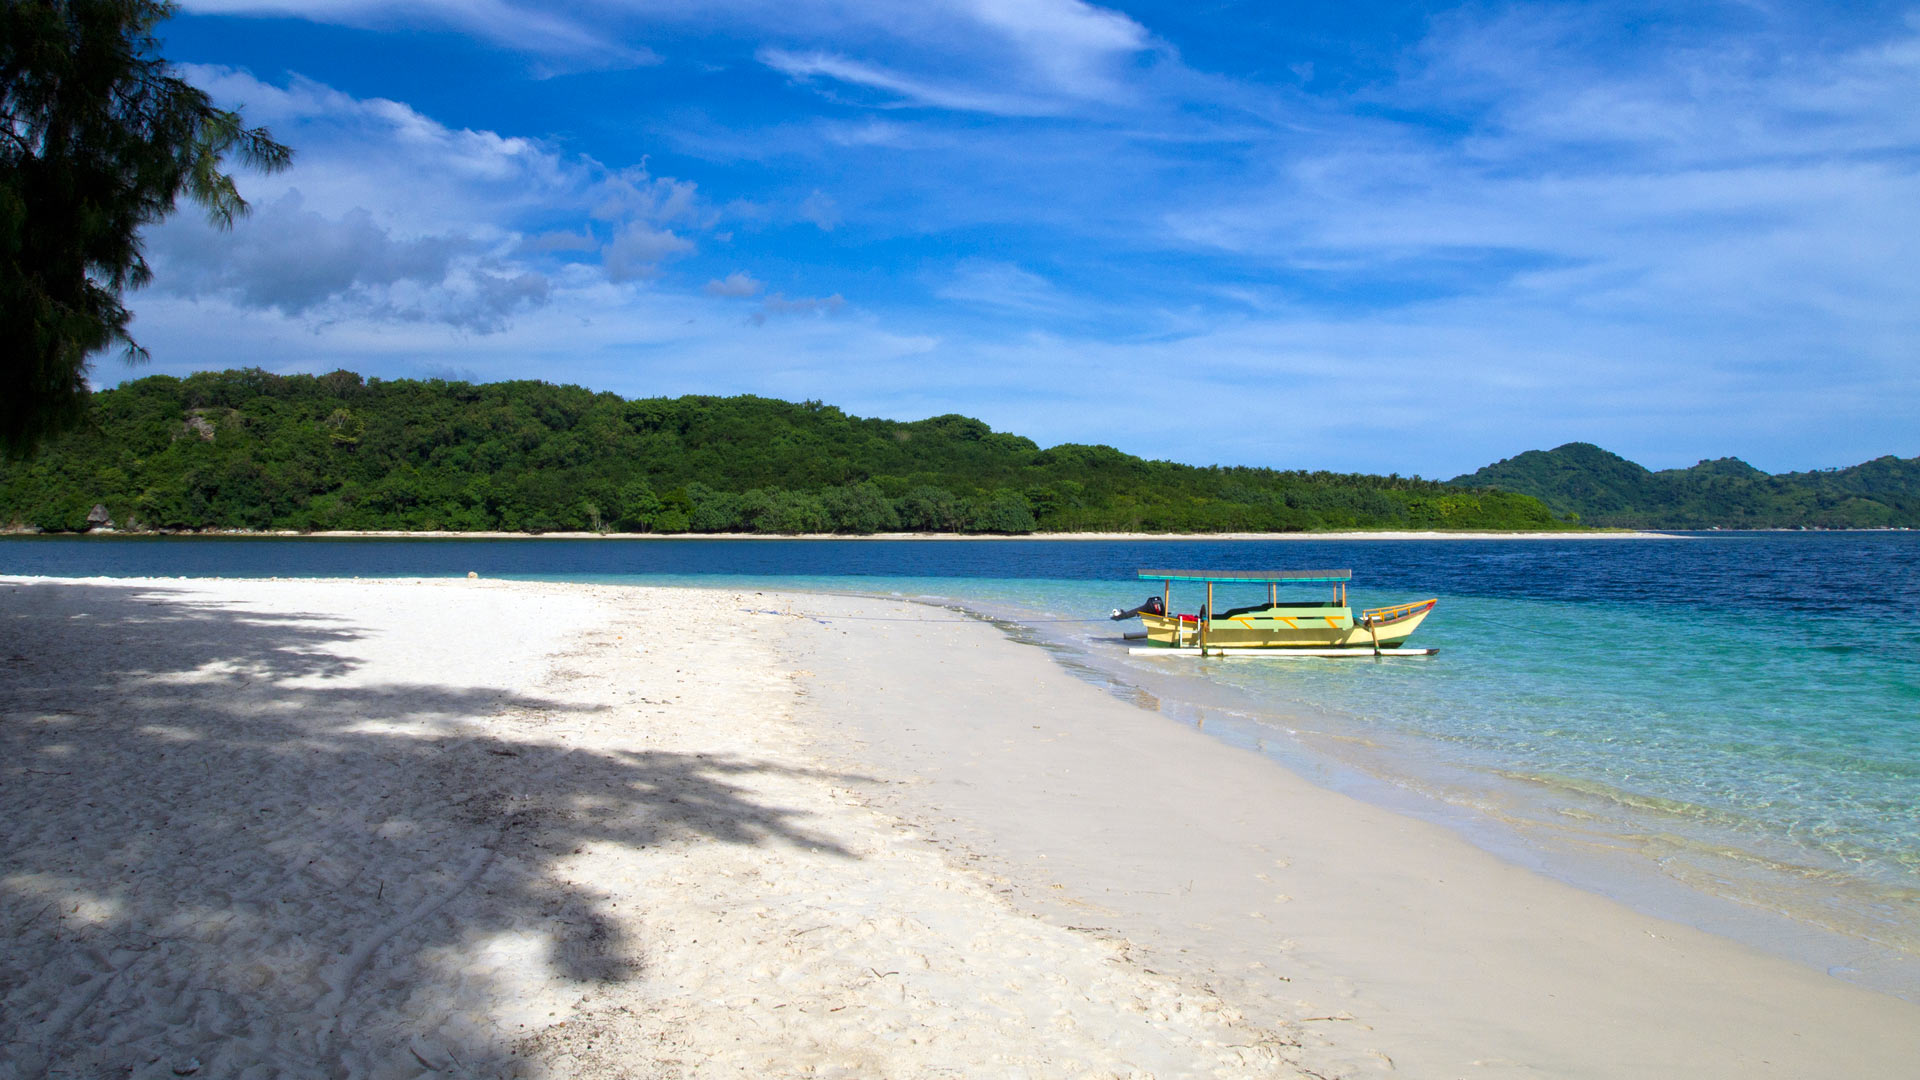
1276, 654
1292, 627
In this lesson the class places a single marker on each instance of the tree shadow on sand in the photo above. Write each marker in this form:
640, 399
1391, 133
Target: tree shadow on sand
211, 855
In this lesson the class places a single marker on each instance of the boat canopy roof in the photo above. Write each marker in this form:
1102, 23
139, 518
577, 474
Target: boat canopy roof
1260, 577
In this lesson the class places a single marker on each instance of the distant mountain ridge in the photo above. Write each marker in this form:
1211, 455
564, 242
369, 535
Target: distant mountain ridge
1581, 481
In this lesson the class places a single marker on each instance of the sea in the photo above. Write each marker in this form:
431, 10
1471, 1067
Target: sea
1721, 729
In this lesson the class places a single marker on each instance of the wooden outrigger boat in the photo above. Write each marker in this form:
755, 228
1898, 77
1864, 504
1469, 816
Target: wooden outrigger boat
1295, 628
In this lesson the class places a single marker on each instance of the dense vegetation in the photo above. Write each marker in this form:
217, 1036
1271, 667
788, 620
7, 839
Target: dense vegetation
1582, 482
249, 450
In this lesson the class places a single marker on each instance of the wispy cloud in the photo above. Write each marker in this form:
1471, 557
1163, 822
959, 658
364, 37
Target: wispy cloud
1074, 44
779, 304
903, 89
529, 27
1697, 187
1003, 57
1002, 286
821, 209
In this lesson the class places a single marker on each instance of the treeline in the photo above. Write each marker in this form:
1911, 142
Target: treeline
250, 450
1583, 482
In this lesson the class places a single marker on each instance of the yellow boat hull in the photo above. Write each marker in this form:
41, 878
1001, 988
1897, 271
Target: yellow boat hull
1293, 627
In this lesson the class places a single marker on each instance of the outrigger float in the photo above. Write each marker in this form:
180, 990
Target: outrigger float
1274, 629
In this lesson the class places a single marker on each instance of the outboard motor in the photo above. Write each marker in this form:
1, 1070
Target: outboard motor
1153, 606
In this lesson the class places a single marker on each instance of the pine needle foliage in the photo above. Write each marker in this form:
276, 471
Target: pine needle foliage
98, 139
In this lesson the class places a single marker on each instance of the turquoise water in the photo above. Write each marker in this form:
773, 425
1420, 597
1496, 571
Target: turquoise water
1723, 729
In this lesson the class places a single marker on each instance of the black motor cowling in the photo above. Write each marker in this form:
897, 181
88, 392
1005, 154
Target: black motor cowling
1153, 606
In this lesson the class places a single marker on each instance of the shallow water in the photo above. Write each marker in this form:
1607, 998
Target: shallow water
1723, 728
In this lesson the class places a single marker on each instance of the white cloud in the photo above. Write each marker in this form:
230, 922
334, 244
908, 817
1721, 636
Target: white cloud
633, 193
289, 259
736, 284
1000, 57
638, 249
389, 215
905, 89
386, 157
1073, 42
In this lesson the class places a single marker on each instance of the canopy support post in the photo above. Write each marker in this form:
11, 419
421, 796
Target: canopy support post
1206, 623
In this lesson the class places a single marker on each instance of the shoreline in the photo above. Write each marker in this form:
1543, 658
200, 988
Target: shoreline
1824, 928
348, 534
1504, 817
1417, 926
828, 832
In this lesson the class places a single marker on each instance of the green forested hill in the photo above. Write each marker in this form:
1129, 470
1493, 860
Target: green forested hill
1602, 488
245, 449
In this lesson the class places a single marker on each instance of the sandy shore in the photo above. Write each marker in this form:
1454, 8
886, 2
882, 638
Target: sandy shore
360, 828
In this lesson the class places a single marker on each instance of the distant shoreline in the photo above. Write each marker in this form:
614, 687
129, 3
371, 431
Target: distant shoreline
369, 534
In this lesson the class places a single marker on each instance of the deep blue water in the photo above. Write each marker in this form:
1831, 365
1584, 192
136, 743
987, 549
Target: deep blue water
1873, 573
1734, 716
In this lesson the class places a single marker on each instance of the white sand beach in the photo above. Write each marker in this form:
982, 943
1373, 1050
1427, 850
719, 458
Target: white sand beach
475, 828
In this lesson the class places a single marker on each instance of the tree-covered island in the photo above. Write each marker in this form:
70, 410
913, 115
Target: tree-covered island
251, 450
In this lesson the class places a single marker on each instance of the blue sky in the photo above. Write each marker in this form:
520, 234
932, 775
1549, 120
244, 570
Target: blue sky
1379, 237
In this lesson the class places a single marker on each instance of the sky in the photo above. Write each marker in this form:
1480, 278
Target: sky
1381, 237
